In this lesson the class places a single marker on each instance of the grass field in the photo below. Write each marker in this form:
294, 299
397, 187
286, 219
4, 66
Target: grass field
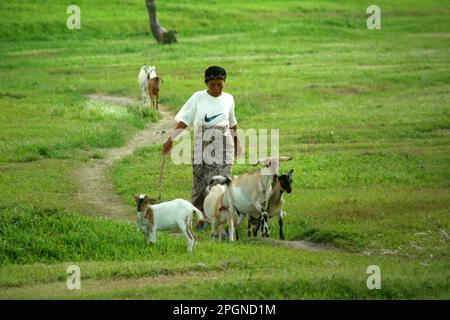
365, 114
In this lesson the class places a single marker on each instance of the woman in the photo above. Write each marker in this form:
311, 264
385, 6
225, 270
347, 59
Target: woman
211, 109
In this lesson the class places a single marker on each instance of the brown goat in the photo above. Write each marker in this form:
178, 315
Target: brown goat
153, 91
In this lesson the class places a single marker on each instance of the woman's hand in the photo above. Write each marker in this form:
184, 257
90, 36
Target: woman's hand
167, 146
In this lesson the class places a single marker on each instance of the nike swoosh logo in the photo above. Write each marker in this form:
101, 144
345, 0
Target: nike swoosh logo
209, 119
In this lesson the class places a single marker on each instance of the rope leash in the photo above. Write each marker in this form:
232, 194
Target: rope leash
161, 176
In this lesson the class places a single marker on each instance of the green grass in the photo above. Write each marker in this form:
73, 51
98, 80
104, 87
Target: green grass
364, 113
120, 258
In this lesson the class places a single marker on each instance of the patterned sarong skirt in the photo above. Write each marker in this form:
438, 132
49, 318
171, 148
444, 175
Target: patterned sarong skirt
213, 155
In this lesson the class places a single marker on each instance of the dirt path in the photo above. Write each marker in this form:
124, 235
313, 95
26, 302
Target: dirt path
301, 244
96, 191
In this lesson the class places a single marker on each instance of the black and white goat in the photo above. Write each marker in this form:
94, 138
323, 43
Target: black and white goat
251, 192
280, 184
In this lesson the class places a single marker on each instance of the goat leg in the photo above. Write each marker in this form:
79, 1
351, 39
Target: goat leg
256, 228
255, 223
231, 229
213, 230
265, 227
280, 222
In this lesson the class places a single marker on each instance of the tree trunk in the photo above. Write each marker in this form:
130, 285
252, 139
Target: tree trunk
161, 35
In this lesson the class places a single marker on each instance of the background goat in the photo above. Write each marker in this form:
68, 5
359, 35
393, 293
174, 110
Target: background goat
165, 216
146, 74
153, 90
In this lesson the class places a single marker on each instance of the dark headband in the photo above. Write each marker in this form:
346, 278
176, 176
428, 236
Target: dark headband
215, 72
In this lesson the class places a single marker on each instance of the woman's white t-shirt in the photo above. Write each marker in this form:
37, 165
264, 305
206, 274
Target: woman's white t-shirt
202, 109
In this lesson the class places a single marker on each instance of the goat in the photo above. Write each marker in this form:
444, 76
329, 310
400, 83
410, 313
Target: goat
281, 184
165, 216
153, 90
250, 193
213, 206
146, 74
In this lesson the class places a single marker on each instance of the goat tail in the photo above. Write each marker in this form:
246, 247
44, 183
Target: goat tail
198, 213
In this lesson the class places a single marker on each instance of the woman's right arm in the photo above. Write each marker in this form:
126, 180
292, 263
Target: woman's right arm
185, 117
168, 144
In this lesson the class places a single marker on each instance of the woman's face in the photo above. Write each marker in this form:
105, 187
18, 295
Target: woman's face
215, 87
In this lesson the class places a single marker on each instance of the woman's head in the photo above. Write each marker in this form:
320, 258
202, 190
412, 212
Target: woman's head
215, 80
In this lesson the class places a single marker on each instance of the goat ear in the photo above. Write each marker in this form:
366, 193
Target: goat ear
135, 197
291, 171
228, 181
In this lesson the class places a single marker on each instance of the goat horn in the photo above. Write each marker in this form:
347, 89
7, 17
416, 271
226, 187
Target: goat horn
267, 161
263, 161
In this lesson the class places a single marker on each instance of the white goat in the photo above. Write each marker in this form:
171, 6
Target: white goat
165, 216
214, 208
145, 75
